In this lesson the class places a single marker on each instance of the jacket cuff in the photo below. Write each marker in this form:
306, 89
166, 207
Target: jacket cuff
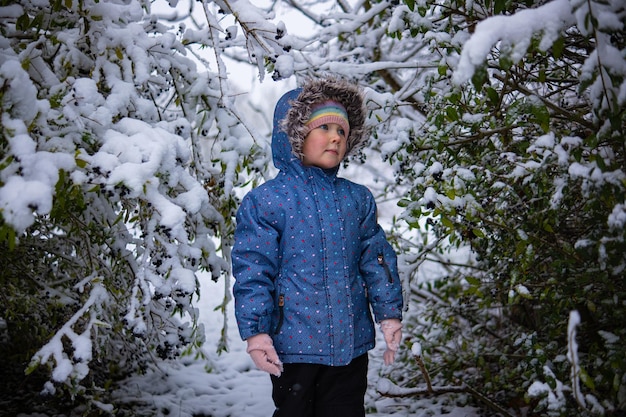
388, 313
263, 325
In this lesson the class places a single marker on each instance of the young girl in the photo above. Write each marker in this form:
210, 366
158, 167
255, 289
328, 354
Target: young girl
311, 262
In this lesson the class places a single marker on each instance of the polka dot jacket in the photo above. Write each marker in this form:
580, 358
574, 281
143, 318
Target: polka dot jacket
311, 263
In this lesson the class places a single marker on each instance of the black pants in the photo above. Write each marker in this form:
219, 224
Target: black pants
308, 390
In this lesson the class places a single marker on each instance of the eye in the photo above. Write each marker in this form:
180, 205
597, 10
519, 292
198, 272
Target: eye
341, 132
324, 127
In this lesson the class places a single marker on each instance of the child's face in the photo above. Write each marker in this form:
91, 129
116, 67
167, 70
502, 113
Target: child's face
325, 146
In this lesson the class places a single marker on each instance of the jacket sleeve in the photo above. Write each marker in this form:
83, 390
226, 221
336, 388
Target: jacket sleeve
379, 266
255, 266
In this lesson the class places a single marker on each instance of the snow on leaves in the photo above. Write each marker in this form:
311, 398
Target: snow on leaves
105, 155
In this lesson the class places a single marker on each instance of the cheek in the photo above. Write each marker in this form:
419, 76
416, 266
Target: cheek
306, 145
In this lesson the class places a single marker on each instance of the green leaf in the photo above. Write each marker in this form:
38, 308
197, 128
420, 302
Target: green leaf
505, 62
541, 117
413, 224
558, 46
492, 94
547, 227
480, 77
541, 77
37, 21
499, 6
7, 235
472, 280
32, 366
478, 233
23, 22
119, 218
586, 379
454, 98
6, 162
452, 114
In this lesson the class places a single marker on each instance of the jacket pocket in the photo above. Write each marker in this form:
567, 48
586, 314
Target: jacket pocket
381, 261
281, 313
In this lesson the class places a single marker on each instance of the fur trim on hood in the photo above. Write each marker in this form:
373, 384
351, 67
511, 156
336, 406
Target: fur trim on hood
315, 91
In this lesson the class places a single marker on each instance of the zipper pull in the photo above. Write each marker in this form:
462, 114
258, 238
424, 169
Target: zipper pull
281, 313
381, 261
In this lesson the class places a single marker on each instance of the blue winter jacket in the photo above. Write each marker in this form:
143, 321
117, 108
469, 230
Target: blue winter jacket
310, 260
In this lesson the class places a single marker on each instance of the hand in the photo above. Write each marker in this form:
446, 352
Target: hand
392, 331
262, 352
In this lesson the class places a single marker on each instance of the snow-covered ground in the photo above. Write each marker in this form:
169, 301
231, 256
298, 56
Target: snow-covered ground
229, 385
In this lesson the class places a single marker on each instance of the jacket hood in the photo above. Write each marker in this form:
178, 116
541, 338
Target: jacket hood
293, 110
281, 146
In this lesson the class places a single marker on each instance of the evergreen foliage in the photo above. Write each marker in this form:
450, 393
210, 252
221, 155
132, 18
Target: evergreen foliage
114, 143
521, 160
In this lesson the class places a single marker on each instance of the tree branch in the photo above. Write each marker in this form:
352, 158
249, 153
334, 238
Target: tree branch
387, 388
557, 109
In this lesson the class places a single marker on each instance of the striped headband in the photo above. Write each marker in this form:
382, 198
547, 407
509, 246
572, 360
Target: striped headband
329, 112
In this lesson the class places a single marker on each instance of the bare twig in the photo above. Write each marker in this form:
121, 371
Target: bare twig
420, 363
387, 388
487, 401
549, 104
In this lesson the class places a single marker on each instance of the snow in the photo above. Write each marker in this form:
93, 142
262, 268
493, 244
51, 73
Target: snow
436, 168
430, 196
222, 385
81, 344
20, 91
555, 397
617, 218
284, 66
185, 280
13, 11
572, 356
553, 392
228, 384
514, 32
609, 337
522, 290
31, 192
18, 206
416, 349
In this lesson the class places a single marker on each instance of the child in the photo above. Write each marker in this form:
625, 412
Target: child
310, 260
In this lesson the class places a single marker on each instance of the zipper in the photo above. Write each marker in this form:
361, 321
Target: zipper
281, 313
381, 261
